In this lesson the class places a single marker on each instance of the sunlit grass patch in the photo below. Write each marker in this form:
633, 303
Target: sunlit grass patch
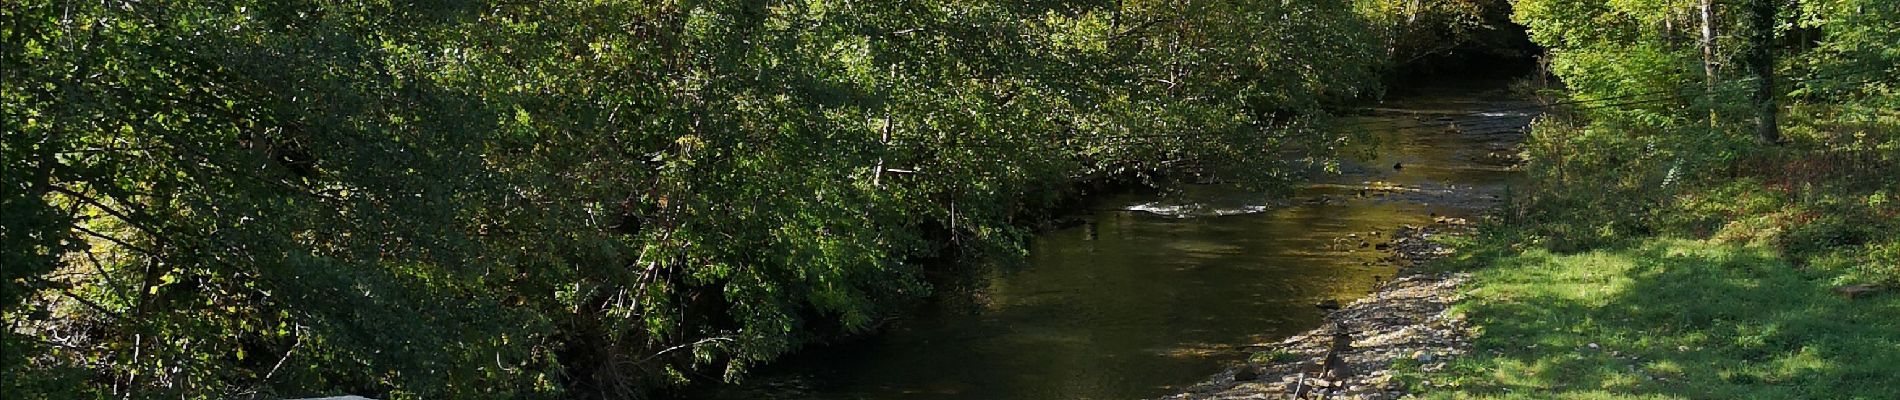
1666, 318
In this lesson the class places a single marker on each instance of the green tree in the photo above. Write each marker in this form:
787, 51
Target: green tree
472, 199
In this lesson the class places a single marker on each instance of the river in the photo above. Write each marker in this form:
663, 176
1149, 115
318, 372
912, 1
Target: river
1157, 290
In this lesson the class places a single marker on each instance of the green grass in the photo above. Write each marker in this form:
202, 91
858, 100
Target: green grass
1670, 318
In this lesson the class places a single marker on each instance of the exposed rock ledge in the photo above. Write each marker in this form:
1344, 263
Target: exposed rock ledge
1404, 319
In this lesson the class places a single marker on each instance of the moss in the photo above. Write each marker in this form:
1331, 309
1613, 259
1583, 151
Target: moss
1272, 356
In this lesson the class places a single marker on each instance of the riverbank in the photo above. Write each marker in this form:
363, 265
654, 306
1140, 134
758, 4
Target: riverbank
1402, 324
1083, 317
1648, 318
1663, 318
1684, 248
1770, 296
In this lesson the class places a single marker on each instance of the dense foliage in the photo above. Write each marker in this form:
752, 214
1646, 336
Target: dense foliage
467, 199
1676, 148
1662, 246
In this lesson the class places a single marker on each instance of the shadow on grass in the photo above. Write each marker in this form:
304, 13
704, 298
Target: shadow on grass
1664, 318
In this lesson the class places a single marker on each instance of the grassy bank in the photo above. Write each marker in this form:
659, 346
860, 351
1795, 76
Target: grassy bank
1613, 276
1672, 262
1691, 245
1664, 318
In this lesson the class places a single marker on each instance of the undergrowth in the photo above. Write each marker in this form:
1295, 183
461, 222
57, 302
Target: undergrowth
1675, 261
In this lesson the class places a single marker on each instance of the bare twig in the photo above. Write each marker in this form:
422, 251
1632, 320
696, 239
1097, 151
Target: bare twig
115, 240
280, 361
94, 306
693, 344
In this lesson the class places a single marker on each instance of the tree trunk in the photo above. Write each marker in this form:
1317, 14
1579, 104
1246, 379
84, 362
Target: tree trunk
1708, 44
1708, 58
1762, 63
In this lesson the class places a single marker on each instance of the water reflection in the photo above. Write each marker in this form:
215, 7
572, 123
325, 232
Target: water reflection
1151, 293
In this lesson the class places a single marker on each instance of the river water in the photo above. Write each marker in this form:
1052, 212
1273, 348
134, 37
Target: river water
1157, 291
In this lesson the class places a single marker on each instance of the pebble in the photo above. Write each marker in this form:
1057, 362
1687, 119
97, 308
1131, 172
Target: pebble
1404, 319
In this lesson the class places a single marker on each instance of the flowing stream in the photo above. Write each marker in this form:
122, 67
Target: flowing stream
1156, 291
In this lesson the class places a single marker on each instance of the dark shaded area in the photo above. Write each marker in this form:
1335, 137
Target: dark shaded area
1517, 58
1487, 45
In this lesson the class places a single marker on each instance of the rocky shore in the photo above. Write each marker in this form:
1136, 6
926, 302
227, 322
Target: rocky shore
1402, 323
